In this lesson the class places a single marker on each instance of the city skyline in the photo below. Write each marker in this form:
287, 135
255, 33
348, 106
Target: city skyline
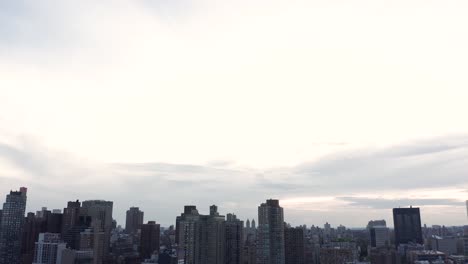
129, 214
87, 233
342, 111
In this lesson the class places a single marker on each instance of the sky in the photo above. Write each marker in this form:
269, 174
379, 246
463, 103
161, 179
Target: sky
341, 109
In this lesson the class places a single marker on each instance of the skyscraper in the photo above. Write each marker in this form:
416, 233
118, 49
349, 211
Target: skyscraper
70, 219
54, 222
234, 234
100, 211
134, 220
294, 245
200, 237
187, 235
31, 229
149, 239
270, 247
407, 223
212, 237
11, 227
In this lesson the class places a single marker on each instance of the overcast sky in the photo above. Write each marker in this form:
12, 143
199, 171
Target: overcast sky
342, 109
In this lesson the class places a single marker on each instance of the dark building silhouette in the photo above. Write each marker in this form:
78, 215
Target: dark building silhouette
294, 245
72, 224
407, 224
73, 235
133, 220
30, 233
149, 239
11, 227
234, 235
249, 252
201, 238
270, 242
54, 223
212, 237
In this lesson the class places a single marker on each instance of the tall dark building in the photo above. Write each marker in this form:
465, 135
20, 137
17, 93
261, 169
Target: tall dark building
294, 245
201, 237
212, 235
407, 224
11, 227
30, 233
134, 220
234, 235
270, 239
149, 239
54, 223
70, 220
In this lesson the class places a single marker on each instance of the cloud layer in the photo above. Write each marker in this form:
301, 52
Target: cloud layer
361, 183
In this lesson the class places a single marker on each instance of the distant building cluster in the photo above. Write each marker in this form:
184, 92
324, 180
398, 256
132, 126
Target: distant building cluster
86, 233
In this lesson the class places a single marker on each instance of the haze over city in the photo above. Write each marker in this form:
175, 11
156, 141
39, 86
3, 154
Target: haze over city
341, 111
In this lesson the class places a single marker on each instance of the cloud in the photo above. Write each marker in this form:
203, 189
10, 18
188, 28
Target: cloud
329, 187
363, 202
437, 162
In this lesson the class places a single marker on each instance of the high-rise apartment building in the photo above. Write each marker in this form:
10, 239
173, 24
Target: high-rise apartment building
70, 219
11, 227
294, 245
201, 238
234, 235
31, 229
407, 223
48, 249
149, 239
270, 238
54, 222
100, 211
133, 220
379, 236
187, 235
212, 237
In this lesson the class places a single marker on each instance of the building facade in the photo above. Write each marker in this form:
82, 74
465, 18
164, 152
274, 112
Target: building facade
133, 220
294, 245
234, 240
407, 224
270, 233
149, 239
12, 221
379, 236
100, 211
48, 249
